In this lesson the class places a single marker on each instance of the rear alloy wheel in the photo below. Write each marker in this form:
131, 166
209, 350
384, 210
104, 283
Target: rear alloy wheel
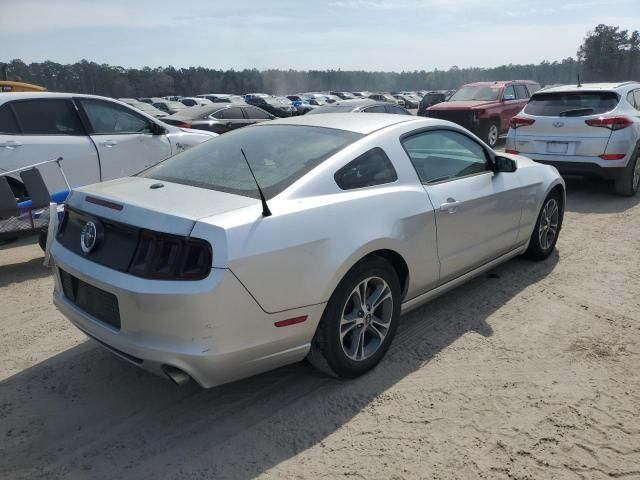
630, 182
492, 134
359, 321
545, 234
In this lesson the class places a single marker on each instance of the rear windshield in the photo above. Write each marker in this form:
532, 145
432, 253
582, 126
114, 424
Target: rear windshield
278, 154
571, 104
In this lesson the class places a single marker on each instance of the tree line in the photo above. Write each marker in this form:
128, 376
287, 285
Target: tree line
606, 54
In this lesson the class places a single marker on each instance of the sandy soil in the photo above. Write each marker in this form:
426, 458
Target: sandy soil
529, 372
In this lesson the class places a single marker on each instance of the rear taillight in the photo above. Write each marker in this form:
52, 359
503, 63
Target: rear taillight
183, 125
517, 122
509, 150
612, 123
612, 156
162, 256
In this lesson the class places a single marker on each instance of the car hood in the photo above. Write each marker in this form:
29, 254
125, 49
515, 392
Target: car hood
461, 105
173, 208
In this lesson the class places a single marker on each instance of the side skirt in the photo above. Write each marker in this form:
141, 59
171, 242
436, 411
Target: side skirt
431, 294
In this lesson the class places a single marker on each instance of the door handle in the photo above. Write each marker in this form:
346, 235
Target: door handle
450, 206
108, 143
10, 144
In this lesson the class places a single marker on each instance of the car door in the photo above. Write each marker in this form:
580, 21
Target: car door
37, 130
255, 115
477, 210
233, 118
510, 107
125, 140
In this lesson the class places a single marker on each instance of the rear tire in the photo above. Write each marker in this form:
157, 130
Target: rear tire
492, 133
353, 336
628, 184
545, 233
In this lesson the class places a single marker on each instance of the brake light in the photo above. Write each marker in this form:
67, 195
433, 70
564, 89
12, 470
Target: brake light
509, 150
163, 256
517, 122
612, 123
183, 125
612, 156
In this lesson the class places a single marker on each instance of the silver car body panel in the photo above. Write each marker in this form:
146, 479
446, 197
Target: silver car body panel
268, 269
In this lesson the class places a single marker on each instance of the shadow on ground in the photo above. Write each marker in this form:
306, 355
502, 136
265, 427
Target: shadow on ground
586, 195
84, 413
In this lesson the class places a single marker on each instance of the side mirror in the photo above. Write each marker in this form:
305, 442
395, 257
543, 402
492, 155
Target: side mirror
504, 164
156, 129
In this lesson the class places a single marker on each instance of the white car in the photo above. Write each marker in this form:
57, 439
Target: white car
588, 130
98, 138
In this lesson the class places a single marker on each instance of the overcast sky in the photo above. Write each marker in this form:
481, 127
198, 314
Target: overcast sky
390, 35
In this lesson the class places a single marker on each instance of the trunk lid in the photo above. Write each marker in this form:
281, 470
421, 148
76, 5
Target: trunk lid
172, 208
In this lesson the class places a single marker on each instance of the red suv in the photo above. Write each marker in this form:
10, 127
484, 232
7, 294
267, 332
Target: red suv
486, 108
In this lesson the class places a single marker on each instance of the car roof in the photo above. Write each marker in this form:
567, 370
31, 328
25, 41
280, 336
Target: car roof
497, 83
194, 113
588, 86
352, 122
8, 96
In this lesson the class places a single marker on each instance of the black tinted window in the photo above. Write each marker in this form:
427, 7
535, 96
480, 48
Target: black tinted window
7, 120
110, 118
443, 154
571, 104
47, 117
396, 110
230, 114
371, 168
278, 154
256, 113
521, 92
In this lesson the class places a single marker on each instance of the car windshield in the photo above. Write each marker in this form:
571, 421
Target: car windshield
571, 104
477, 92
278, 154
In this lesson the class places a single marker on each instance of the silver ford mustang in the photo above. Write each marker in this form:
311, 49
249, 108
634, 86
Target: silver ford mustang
303, 237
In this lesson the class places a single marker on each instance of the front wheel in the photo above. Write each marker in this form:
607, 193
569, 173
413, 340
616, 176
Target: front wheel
545, 234
359, 322
492, 133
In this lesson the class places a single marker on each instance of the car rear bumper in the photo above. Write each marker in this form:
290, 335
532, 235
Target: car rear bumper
214, 334
582, 168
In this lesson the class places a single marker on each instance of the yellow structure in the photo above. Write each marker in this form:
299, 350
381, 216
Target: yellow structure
6, 86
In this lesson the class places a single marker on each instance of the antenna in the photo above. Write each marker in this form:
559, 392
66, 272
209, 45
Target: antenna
265, 208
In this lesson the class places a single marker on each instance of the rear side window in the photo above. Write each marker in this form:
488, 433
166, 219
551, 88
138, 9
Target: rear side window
108, 118
7, 120
571, 104
369, 169
234, 113
636, 97
396, 110
47, 117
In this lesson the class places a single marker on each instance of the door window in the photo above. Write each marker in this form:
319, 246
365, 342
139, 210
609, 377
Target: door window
509, 93
233, 113
107, 118
636, 96
375, 109
521, 92
396, 110
7, 120
256, 113
47, 117
439, 155
370, 168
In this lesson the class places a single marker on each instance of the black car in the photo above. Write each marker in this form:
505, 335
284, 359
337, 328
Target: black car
222, 98
344, 95
430, 99
218, 118
365, 106
274, 105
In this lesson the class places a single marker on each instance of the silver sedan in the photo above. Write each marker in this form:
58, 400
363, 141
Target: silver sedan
301, 238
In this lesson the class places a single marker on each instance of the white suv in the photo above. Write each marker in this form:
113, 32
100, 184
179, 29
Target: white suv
588, 130
99, 138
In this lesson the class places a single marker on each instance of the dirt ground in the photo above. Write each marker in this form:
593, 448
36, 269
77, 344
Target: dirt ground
529, 372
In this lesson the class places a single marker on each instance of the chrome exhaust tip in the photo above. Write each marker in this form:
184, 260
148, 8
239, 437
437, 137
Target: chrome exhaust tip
176, 375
